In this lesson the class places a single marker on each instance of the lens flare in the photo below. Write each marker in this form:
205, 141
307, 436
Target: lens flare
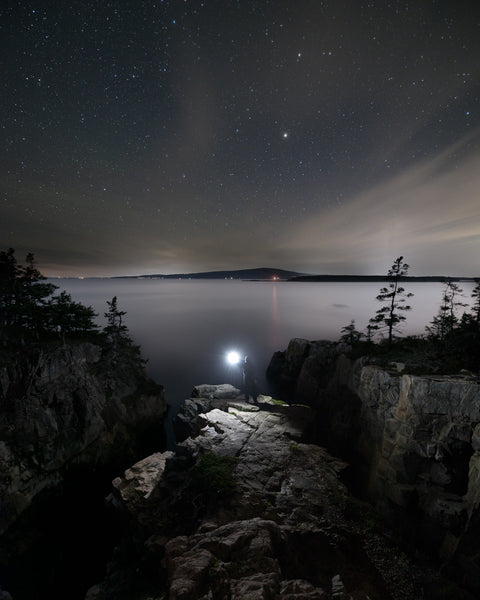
233, 357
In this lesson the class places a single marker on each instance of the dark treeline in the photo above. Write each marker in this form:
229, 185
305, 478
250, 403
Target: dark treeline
451, 341
31, 313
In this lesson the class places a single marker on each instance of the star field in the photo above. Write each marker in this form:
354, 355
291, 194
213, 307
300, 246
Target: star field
322, 136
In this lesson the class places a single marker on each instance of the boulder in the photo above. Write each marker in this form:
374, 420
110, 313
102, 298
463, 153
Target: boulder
204, 398
140, 479
221, 391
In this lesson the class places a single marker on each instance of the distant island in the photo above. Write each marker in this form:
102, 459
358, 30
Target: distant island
260, 274
269, 274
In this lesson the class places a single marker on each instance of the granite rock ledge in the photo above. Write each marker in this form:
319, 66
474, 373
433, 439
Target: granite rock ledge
283, 533
414, 441
66, 407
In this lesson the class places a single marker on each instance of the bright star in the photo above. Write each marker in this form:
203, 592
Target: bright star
285, 135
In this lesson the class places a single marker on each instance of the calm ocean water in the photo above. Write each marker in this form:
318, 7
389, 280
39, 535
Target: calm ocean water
186, 327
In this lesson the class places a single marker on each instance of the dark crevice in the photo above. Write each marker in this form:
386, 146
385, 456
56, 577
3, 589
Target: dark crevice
62, 544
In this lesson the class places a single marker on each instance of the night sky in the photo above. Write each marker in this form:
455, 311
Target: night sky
175, 136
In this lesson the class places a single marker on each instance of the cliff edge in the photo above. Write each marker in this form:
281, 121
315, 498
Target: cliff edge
414, 442
65, 407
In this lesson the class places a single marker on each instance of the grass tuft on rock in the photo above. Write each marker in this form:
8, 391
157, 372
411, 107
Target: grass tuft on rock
212, 478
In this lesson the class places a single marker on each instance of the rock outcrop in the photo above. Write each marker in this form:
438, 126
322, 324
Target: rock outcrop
203, 399
278, 525
414, 441
65, 407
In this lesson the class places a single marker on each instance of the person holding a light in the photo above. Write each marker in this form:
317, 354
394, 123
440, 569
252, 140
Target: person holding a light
249, 384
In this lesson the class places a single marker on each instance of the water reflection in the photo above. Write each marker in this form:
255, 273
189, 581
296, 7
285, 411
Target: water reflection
275, 339
185, 328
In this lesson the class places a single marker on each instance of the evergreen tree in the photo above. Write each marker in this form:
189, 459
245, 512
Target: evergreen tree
370, 331
8, 277
33, 296
454, 292
117, 335
446, 319
27, 310
350, 334
390, 316
476, 303
116, 330
69, 318
440, 324
23, 296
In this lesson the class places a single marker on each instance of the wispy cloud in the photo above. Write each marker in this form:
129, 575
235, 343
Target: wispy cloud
429, 213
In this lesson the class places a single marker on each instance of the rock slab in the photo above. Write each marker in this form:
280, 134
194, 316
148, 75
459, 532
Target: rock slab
281, 534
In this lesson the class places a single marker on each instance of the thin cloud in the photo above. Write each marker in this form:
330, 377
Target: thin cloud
430, 212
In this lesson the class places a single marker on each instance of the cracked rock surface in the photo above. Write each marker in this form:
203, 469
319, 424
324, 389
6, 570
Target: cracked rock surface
285, 531
415, 440
68, 406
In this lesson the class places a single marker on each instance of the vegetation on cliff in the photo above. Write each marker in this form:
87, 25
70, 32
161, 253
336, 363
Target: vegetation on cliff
393, 297
451, 341
76, 407
33, 318
29, 312
212, 480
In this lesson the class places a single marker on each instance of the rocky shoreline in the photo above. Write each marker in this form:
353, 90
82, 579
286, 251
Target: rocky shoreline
288, 530
70, 416
413, 441
255, 501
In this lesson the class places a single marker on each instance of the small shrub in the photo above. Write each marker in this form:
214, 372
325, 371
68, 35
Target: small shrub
213, 567
212, 478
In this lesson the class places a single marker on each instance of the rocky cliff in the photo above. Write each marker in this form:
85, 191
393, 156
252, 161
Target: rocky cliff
246, 509
414, 441
66, 407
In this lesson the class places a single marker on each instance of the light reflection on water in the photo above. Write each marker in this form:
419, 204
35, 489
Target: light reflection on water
186, 327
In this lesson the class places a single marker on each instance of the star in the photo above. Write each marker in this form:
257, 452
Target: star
145, 103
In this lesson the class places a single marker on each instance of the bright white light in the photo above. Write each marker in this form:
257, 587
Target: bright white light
233, 357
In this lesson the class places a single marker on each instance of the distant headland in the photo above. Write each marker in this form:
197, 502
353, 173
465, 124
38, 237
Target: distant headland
260, 274
269, 274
